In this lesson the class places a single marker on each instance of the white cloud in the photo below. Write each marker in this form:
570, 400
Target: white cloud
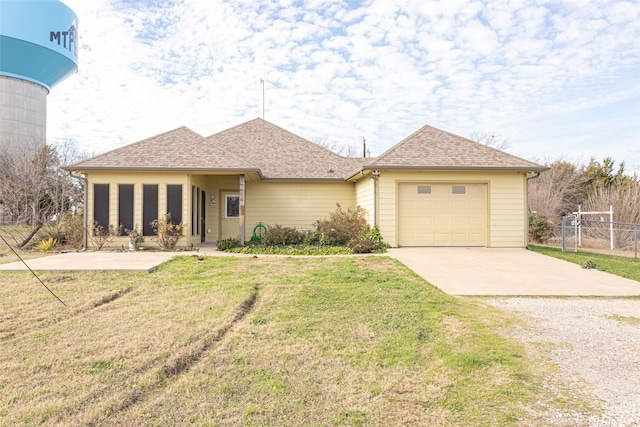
343, 70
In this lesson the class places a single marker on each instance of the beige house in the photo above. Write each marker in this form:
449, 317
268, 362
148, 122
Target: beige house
431, 189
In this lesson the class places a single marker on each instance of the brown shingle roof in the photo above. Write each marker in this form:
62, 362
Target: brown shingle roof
275, 153
281, 154
431, 148
178, 149
256, 145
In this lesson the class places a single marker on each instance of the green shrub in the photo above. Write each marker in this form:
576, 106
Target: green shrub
371, 241
341, 227
228, 243
540, 228
279, 235
374, 235
361, 246
136, 238
344, 232
300, 249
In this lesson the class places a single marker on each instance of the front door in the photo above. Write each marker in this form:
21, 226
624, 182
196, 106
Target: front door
229, 214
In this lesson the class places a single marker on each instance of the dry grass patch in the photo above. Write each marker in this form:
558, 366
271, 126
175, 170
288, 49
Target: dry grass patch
258, 341
630, 320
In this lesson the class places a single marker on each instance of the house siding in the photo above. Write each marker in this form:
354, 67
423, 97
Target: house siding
365, 198
294, 204
506, 202
300, 204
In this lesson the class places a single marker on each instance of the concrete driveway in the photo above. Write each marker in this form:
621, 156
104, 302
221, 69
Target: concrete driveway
509, 272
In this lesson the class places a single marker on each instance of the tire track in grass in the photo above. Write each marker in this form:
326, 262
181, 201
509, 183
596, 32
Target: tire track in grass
106, 299
181, 361
111, 297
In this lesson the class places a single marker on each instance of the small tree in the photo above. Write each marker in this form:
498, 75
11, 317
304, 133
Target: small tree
167, 233
100, 236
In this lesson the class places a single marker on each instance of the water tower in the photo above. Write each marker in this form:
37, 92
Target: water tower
38, 49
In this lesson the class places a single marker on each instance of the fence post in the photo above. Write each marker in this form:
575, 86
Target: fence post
611, 224
579, 225
564, 234
635, 240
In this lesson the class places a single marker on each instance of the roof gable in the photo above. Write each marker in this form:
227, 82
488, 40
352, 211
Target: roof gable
280, 154
431, 148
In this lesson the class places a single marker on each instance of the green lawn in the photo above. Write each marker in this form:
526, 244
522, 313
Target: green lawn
620, 266
260, 341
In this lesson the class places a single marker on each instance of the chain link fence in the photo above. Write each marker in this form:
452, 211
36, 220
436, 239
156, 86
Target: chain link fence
612, 237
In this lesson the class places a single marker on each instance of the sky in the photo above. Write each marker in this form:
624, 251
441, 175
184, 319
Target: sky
553, 78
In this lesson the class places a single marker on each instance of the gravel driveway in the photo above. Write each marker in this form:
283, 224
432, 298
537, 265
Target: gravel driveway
595, 343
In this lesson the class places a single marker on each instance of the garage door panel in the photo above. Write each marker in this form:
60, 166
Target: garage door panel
425, 237
476, 222
425, 222
442, 218
459, 205
459, 238
442, 239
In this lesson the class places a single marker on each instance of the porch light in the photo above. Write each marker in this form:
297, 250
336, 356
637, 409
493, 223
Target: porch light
212, 202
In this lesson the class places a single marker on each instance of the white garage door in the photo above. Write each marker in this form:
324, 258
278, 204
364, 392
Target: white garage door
442, 214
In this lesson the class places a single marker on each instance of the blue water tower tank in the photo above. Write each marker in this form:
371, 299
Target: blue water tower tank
38, 49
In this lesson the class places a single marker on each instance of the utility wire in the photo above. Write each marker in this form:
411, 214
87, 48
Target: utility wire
32, 272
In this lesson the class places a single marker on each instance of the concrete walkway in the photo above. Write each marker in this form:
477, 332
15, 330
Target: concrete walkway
143, 261
509, 272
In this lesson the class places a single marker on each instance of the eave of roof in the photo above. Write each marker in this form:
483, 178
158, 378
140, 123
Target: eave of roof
72, 168
364, 169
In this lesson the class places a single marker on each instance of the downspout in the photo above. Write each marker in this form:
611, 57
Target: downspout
85, 198
84, 213
534, 176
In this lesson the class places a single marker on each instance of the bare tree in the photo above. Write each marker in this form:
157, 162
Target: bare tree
566, 185
625, 200
556, 191
347, 150
490, 139
22, 184
65, 190
34, 189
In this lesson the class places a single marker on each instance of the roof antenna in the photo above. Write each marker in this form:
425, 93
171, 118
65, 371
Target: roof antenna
364, 147
262, 81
